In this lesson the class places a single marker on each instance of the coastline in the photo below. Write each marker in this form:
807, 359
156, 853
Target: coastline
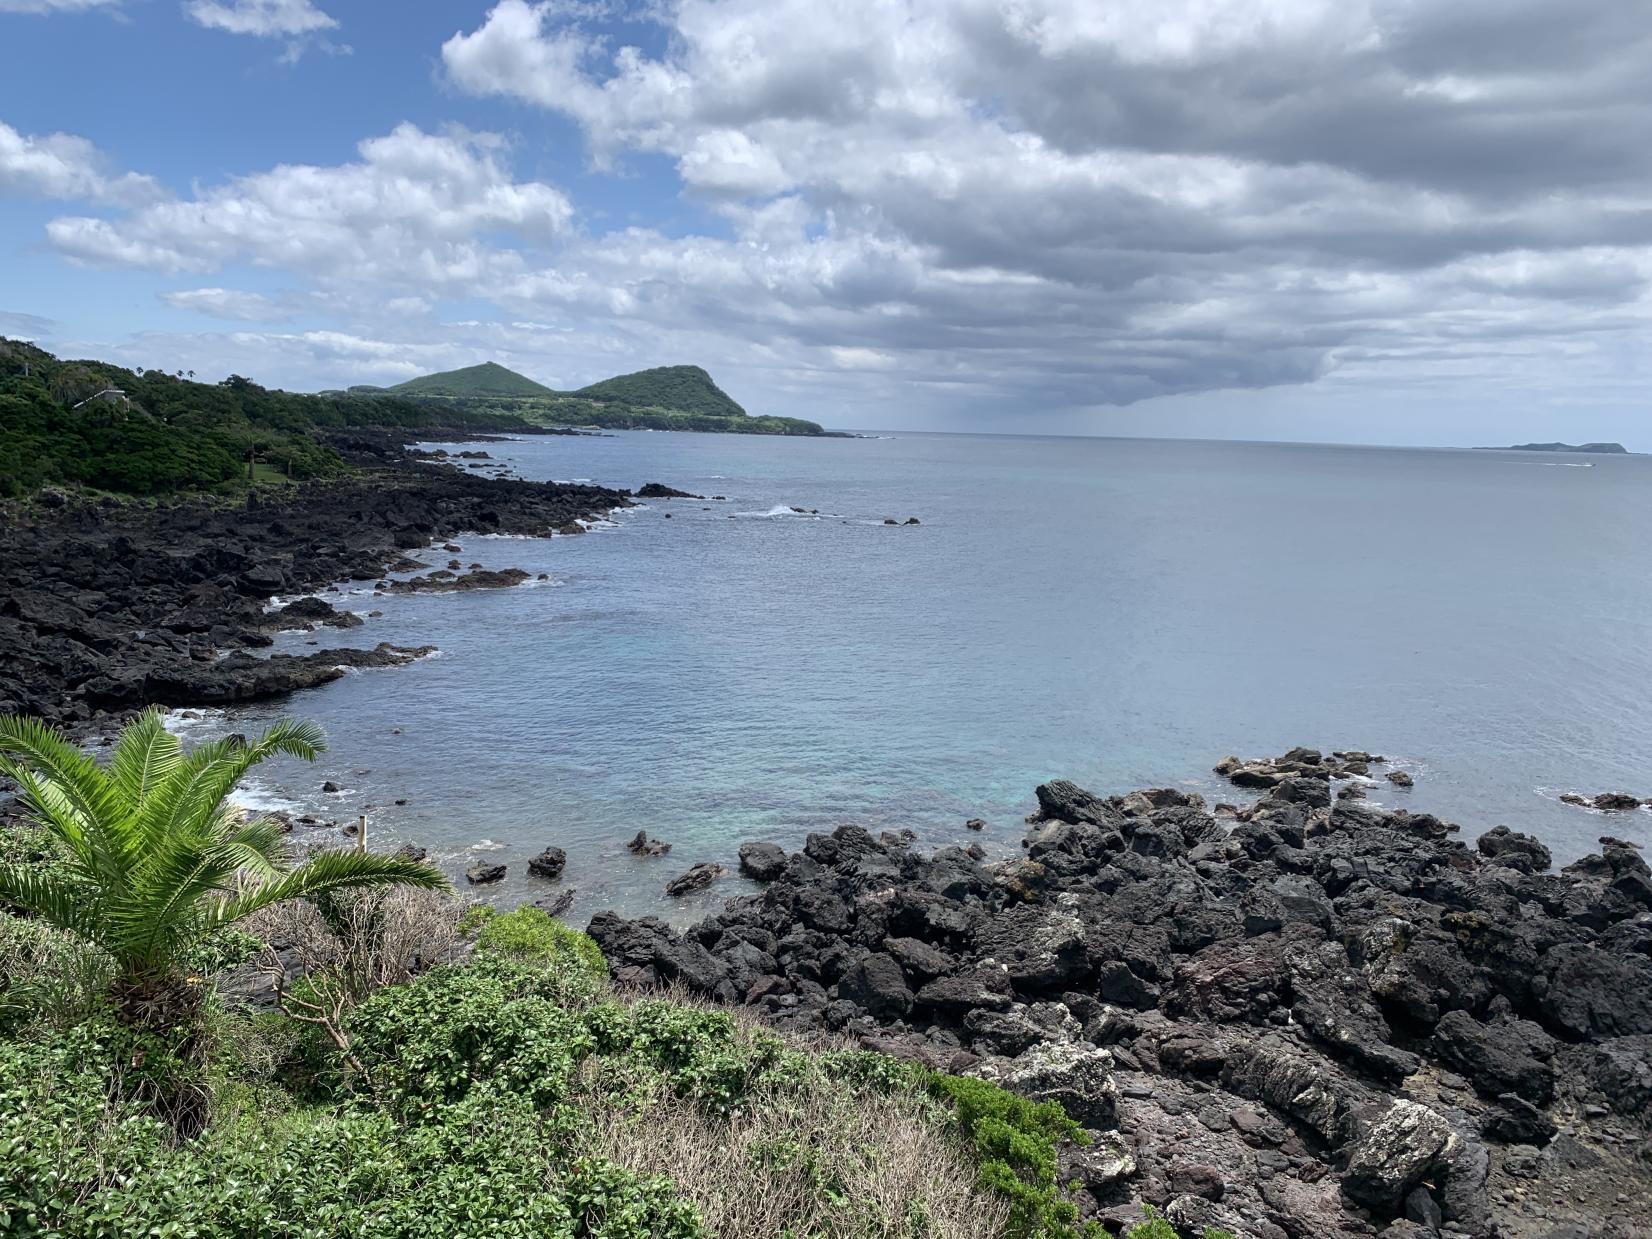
1283, 1019
112, 607
1303, 1017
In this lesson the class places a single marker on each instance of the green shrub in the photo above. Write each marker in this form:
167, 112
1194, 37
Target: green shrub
73, 1162
428, 1042
1015, 1142
705, 1055
534, 936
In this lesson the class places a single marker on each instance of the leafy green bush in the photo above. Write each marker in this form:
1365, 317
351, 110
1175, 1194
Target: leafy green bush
535, 937
74, 1162
703, 1054
430, 1042
47, 978
1015, 1141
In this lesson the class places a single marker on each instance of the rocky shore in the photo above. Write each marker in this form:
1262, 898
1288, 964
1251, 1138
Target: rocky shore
1304, 1019
106, 607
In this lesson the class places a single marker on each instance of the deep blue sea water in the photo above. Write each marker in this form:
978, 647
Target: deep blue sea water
1118, 612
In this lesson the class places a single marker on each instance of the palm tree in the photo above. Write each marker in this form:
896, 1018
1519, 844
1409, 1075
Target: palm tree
157, 859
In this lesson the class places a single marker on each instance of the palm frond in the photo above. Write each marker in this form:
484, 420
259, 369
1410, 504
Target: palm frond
51, 807
158, 858
82, 786
68, 904
156, 913
194, 790
260, 845
331, 871
145, 755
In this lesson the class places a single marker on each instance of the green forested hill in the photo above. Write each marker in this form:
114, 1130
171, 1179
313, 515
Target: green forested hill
487, 379
149, 432
684, 389
664, 398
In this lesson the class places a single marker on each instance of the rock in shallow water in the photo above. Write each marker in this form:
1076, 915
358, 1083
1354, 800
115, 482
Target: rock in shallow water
695, 879
549, 863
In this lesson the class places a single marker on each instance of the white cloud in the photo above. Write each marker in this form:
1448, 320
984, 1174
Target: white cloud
413, 211
261, 18
60, 165
227, 303
1106, 203
862, 358
1048, 203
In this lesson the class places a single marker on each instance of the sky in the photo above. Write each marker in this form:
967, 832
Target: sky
1373, 221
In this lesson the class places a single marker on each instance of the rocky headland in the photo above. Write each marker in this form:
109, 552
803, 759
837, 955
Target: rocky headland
1307, 1017
106, 606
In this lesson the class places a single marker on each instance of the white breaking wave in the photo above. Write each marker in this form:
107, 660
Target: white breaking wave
784, 509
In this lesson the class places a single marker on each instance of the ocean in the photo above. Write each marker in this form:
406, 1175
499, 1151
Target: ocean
1118, 612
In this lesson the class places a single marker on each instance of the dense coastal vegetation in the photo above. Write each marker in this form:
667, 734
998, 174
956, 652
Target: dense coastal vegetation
663, 398
411, 1067
153, 432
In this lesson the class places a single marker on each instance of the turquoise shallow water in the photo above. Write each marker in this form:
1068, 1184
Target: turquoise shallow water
1119, 612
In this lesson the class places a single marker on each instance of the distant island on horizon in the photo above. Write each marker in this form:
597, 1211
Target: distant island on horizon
1597, 449
661, 398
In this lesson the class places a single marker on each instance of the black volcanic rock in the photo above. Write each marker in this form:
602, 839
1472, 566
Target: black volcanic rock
1335, 1017
696, 878
762, 862
549, 863
112, 609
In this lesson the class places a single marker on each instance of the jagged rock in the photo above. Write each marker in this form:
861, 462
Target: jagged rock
696, 878
1512, 1056
762, 862
1194, 1179
642, 845
918, 959
549, 863
979, 987
1621, 1071
1076, 1075
445, 582
1616, 802
482, 875
1399, 778
1062, 801
1585, 992
877, 985
1516, 1121
1406, 1144
1513, 849
1196, 1215
1101, 1166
